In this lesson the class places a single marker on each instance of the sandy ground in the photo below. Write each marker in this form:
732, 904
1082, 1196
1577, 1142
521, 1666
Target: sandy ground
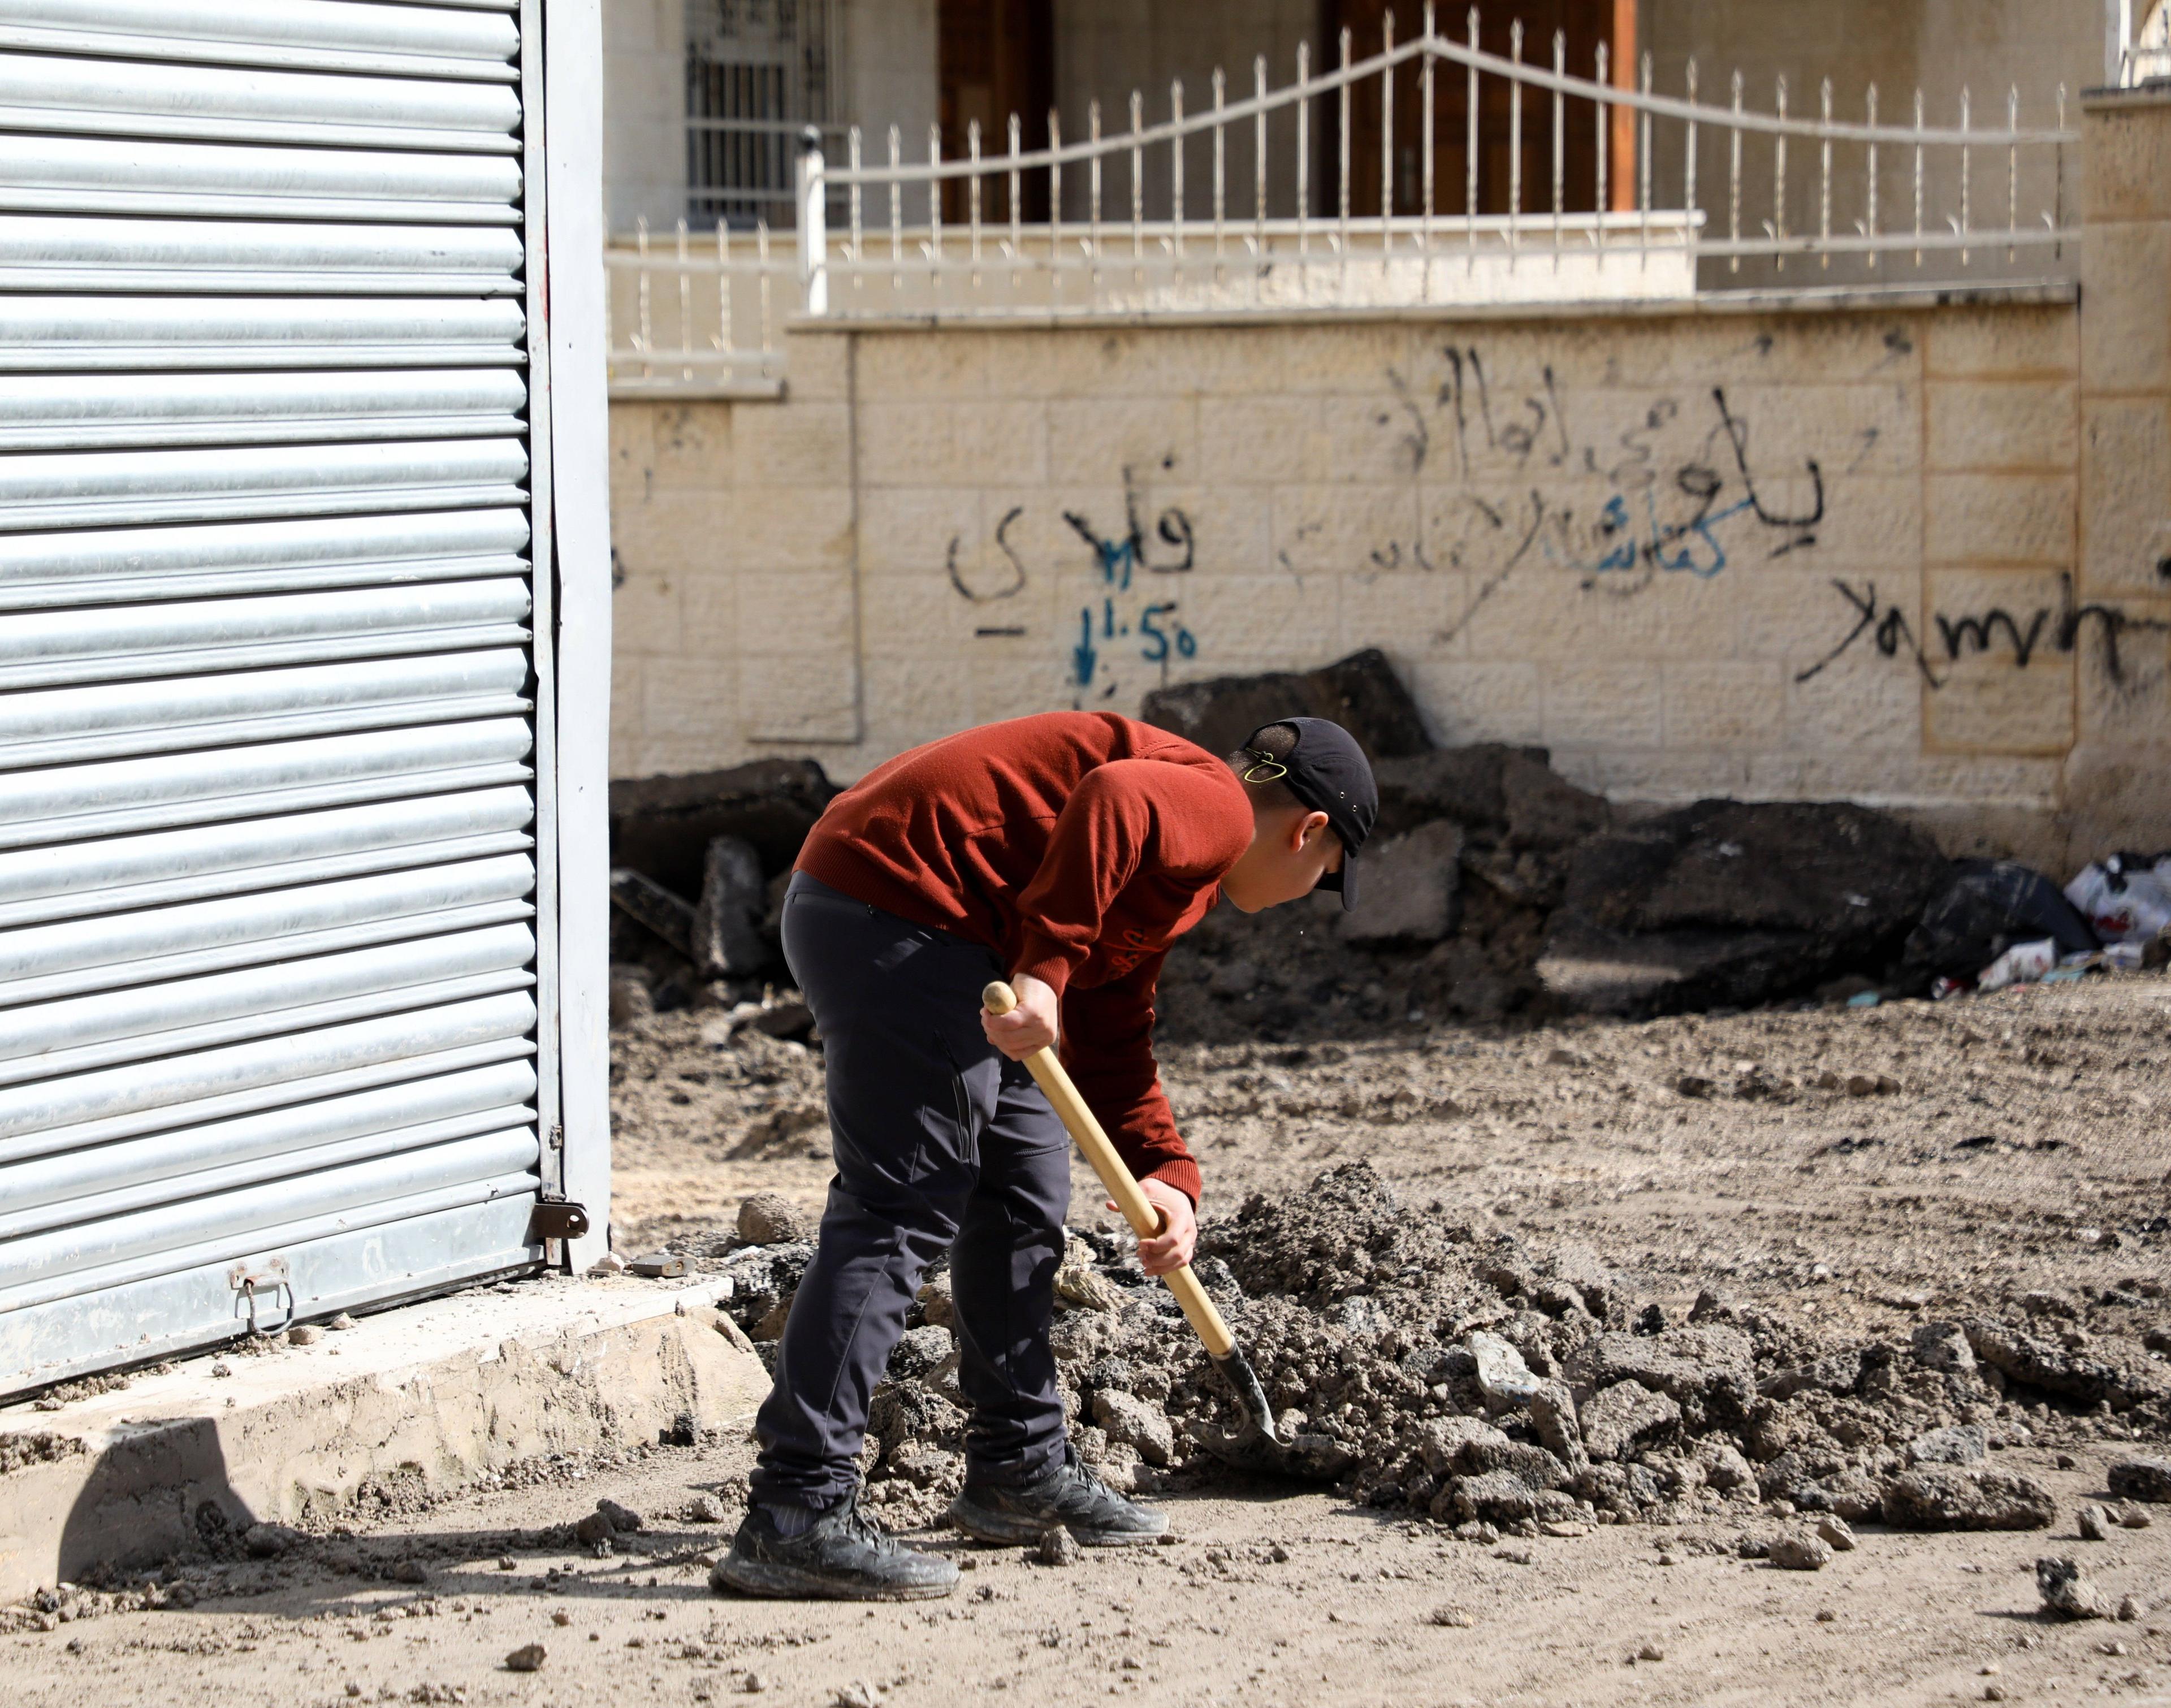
2025, 1141
2022, 1140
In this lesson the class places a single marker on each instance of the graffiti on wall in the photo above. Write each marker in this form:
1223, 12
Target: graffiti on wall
1513, 478
1676, 484
1137, 619
1998, 632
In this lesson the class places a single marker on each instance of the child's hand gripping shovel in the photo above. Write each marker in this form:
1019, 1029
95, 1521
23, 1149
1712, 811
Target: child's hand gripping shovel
1220, 1345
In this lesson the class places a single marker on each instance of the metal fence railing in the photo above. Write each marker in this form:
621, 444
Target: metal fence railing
1437, 171
1707, 196
703, 316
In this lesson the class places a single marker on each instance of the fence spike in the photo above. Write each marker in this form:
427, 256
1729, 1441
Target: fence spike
1733, 183
1015, 184
1221, 165
1426, 150
1303, 156
1054, 209
762, 296
896, 213
1824, 181
1560, 143
1259, 179
1691, 235
2012, 168
724, 293
1918, 175
1514, 143
1093, 196
852, 158
2058, 177
973, 195
1175, 162
1643, 172
1469, 155
1603, 143
641, 295
1138, 187
934, 202
1342, 237
1870, 253
1387, 141
1965, 174
1779, 184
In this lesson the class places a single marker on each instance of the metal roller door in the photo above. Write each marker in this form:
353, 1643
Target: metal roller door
269, 943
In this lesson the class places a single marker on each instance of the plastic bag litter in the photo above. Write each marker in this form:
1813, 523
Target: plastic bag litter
1985, 908
2024, 963
2126, 898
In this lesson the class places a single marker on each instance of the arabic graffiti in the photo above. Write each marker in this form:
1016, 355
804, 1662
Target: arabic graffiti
1668, 484
1691, 543
1017, 577
1123, 608
1130, 610
1667, 507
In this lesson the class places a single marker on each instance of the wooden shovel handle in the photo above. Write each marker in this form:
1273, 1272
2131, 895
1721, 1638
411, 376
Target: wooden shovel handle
1085, 1129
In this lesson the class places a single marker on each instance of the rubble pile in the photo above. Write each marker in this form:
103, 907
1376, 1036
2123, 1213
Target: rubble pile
1492, 888
1424, 1364
1470, 858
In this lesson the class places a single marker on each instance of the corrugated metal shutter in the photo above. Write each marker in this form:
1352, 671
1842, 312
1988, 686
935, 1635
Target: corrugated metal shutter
267, 871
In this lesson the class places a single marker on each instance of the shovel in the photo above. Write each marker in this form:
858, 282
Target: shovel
1259, 1440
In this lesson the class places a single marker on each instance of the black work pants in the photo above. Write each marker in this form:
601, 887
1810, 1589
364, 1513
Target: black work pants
940, 1141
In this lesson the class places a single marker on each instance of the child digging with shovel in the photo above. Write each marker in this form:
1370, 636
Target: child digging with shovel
1065, 852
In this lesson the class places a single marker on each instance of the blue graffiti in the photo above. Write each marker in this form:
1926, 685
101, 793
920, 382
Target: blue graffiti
1157, 650
1119, 557
1159, 643
1692, 546
1653, 548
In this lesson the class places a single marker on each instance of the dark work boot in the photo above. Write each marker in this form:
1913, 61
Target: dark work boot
843, 1556
1068, 1494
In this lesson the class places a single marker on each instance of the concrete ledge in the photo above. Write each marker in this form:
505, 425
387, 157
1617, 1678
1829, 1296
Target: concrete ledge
1808, 300
439, 1392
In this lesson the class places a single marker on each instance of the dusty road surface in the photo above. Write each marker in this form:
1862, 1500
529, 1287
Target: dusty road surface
1855, 1172
1264, 1598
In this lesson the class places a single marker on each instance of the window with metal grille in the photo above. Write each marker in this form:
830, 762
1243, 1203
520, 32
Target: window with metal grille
757, 73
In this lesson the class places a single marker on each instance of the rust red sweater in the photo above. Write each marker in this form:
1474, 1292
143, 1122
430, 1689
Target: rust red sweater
1079, 846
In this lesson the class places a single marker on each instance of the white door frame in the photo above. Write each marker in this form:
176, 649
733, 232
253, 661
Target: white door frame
572, 503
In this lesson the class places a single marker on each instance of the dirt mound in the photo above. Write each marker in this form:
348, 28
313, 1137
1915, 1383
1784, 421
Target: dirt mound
1468, 864
1481, 1378
1729, 903
1361, 693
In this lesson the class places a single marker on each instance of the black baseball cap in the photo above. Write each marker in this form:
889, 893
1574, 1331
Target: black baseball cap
1327, 772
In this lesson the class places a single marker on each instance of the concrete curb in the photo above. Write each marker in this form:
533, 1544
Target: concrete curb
439, 1392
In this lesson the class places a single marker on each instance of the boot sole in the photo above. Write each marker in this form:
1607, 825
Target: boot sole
1005, 1531
795, 1583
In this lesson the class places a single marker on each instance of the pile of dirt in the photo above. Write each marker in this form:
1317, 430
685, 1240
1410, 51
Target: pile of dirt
1492, 888
1467, 865
1423, 1362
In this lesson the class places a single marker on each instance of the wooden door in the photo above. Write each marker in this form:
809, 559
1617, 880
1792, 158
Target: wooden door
1583, 25
995, 58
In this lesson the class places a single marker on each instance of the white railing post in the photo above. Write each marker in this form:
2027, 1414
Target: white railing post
1603, 141
1425, 162
1870, 228
1691, 235
813, 225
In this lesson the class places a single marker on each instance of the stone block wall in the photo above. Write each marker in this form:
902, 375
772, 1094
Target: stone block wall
1918, 557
